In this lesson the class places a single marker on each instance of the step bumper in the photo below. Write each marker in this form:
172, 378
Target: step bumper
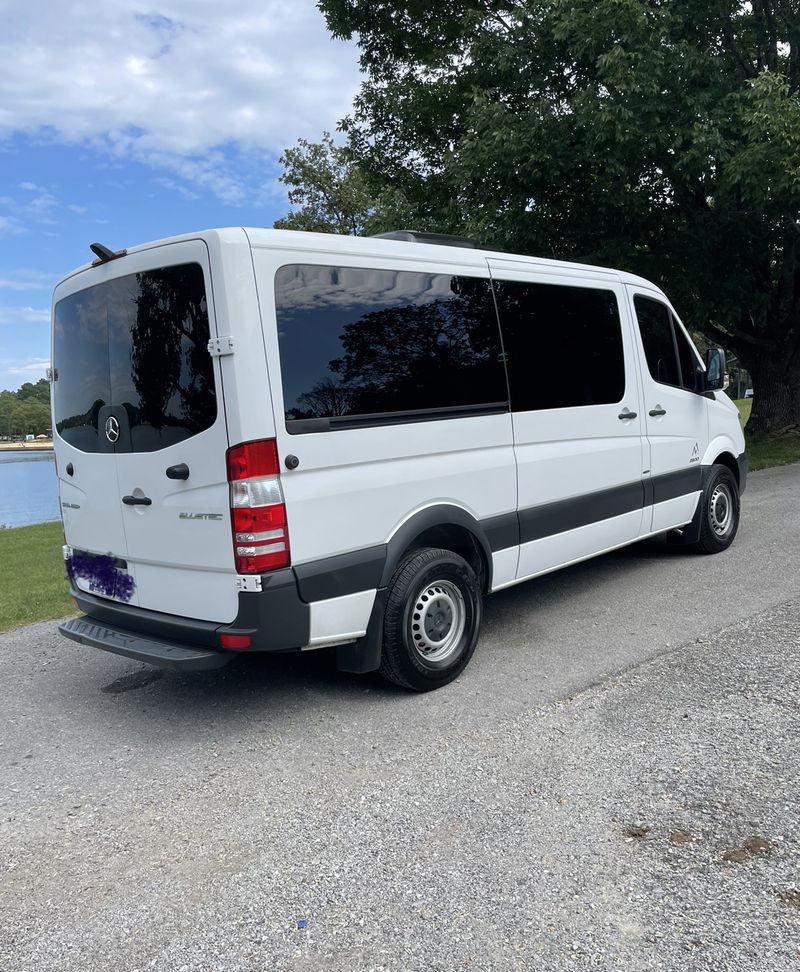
162, 654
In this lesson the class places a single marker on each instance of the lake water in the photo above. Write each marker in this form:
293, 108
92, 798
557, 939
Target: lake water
28, 488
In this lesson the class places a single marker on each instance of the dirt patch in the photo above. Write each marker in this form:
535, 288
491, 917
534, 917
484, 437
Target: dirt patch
752, 847
790, 896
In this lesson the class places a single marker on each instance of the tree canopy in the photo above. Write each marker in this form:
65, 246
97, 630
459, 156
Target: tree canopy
326, 186
26, 411
658, 136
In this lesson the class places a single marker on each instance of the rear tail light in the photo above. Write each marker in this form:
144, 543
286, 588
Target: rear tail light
258, 513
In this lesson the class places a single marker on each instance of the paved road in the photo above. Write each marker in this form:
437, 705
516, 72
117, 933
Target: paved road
156, 821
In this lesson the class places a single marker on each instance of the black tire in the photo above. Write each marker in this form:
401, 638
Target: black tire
433, 614
719, 511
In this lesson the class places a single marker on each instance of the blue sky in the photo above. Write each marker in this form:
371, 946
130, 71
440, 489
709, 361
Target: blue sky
129, 122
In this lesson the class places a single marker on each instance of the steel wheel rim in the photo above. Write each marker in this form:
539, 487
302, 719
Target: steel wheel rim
437, 621
720, 510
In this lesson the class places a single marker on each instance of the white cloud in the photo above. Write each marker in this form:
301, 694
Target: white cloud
9, 224
41, 207
27, 280
36, 205
178, 89
174, 186
37, 367
24, 315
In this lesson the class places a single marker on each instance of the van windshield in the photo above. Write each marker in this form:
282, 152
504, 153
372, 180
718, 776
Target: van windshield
135, 348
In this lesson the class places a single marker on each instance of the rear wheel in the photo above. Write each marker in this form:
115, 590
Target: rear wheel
432, 618
719, 515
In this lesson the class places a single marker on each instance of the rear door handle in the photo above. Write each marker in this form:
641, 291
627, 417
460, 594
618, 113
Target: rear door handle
626, 414
658, 410
137, 501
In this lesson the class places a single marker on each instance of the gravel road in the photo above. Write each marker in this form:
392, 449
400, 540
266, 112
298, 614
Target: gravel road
612, 784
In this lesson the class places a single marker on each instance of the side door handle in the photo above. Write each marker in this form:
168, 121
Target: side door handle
658, 410
626, 413
137, 501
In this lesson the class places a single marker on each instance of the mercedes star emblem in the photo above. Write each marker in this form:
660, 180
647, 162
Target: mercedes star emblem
112, 429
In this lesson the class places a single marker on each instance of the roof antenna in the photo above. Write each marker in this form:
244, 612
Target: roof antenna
103, 254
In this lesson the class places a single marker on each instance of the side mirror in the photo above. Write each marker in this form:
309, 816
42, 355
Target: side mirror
716, 375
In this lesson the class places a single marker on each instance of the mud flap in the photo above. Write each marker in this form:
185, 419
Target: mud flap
364, 655
690, 534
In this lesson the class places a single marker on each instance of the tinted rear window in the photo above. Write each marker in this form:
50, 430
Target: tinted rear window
361, 346
137, 346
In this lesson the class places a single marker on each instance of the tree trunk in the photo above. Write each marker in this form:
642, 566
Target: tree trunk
776, 392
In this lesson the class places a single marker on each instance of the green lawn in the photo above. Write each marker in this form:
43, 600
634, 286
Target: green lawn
33, 581
745, 406
768, 450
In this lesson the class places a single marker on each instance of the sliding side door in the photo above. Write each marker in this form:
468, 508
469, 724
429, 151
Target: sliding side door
576, 414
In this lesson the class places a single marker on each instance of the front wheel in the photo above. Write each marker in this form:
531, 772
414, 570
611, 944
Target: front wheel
432, 618
719, 512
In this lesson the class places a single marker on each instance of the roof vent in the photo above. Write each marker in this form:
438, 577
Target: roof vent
439, 239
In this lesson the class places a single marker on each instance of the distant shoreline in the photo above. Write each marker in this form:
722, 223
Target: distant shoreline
43, 445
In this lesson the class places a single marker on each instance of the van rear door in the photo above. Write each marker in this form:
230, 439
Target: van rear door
139, 415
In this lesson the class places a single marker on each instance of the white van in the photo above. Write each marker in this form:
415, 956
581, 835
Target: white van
272, 441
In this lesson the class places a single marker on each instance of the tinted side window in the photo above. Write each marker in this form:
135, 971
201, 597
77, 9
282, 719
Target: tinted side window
563, 345
140, 342
655, 325
686, 358
376, 343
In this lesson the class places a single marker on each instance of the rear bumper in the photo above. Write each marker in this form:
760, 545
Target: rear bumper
275, 619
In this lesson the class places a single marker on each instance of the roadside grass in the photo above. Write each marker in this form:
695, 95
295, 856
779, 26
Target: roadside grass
745, 406
33, 581
767, 450
772, 450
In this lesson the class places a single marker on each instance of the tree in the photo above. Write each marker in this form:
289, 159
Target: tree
40, 392
327, 186
327, 397
661, 136
8, 401
30, 418
27, 410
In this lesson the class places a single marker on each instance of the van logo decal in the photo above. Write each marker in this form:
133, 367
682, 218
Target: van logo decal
695, 454
112, 429
200, 516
